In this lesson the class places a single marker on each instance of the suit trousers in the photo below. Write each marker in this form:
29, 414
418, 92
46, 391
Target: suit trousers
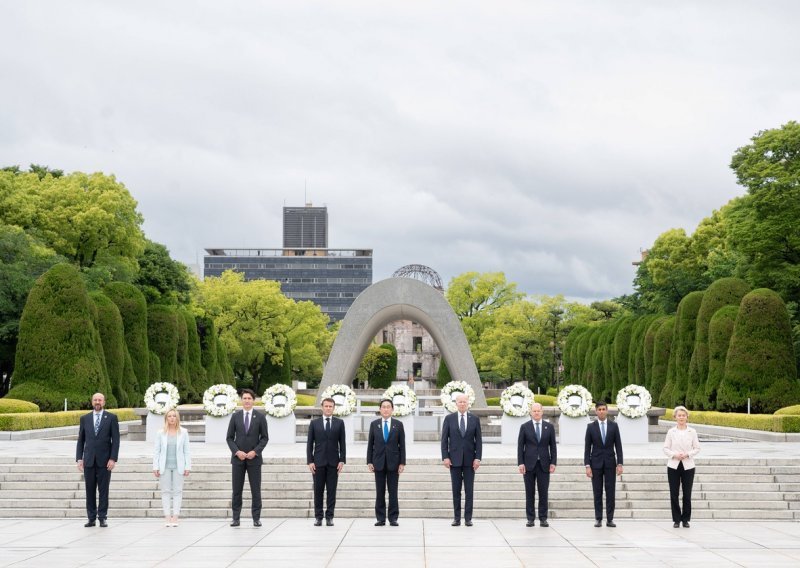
325, 479
465, 475
98, 478
676, 478
537, 477
605, 477
253, 471
171, 484
384, 480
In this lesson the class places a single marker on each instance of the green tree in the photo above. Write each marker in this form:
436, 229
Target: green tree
443, 374
761, 363
161, 279
374, 366
59, 354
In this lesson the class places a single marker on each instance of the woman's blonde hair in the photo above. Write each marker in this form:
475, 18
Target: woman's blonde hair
679, 409
177, 423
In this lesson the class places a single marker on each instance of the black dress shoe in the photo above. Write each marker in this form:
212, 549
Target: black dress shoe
235, 523
598, 523
686, 524
256, 523
394, 524
544, 523
611, 524
530, 524
103, 523
329, 522
380, 523
318, 523
89, 524
676, 525
468, 523
455, 523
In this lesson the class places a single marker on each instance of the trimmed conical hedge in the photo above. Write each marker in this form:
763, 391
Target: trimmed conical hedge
622, 345
208, 349
112, 335
637, 368
194, 366
133, 309
682, 346
720, 330
162, 335
443, 374
649, 352
760, 363
59, 353
662, 355
722, 292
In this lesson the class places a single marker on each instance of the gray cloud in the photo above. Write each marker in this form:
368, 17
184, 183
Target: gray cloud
547, 140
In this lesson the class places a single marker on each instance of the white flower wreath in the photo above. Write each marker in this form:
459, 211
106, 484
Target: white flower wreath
160, 398
451, 390
220, 400
574, 401
634, 401
279, 400
403, 398
516, 400
343, 396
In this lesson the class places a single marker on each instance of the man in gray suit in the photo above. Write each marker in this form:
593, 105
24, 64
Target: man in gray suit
461, 454
386, 458
247, 438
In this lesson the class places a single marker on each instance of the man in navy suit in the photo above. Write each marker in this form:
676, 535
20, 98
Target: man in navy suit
386, 457
247, 437
602, 455
536, 457
461, 454
96, 455
326, 452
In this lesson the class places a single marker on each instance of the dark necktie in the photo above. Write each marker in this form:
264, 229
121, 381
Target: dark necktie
246, 422
96, 424
463, 427
385, 431
327, 425
603, 431
538, 434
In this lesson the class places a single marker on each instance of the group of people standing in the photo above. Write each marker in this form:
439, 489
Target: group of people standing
326, 454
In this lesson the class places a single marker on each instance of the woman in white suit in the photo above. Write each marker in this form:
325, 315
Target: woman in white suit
171, 463
680, 446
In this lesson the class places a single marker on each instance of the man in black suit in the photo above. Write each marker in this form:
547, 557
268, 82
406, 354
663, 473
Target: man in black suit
326, 456
461, 454
536, 457
247, 437
96, 455
386, 457
602, 455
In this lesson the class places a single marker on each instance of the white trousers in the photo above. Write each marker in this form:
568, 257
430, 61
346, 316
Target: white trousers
171, 483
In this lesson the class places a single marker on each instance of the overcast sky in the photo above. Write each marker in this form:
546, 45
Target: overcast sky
547, 140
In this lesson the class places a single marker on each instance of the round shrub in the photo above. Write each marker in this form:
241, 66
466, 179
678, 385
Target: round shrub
760, 363
133, 309
14, 406
59, 354
720, 330
788, 410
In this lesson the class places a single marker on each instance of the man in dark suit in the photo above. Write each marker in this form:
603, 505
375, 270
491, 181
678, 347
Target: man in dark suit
461, 454
386, 457
96, 455
536, 457
247, 437
326, 455
602, 455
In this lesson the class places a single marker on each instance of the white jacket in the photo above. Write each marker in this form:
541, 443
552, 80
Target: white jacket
181, 450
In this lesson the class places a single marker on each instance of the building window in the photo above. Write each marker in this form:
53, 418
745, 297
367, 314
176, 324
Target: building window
417, 345
385, 336
417, 368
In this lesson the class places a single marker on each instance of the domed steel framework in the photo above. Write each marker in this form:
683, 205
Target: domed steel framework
422, 273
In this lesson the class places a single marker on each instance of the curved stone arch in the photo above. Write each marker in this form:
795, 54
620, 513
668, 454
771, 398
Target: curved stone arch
400, 299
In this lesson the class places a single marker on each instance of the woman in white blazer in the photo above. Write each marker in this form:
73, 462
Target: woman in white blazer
171, 463
681, 445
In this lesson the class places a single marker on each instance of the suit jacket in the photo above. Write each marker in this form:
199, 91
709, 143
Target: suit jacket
255, 439
529, 450
97, 449
326, 449
390, 454
462, 451
181, 451
599, 455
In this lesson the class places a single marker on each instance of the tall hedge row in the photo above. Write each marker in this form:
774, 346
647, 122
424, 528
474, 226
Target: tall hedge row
662, 355
621, 351
675, 390
112, 336
720, 330
59, 353
162, 335
133, 309
760, 364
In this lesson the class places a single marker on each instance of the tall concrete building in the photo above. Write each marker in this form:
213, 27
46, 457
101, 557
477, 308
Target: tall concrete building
305, 227
305, 267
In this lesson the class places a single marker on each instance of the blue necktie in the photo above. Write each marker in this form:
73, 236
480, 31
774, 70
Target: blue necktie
603, 432
96, 424
385, 431
463, 427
